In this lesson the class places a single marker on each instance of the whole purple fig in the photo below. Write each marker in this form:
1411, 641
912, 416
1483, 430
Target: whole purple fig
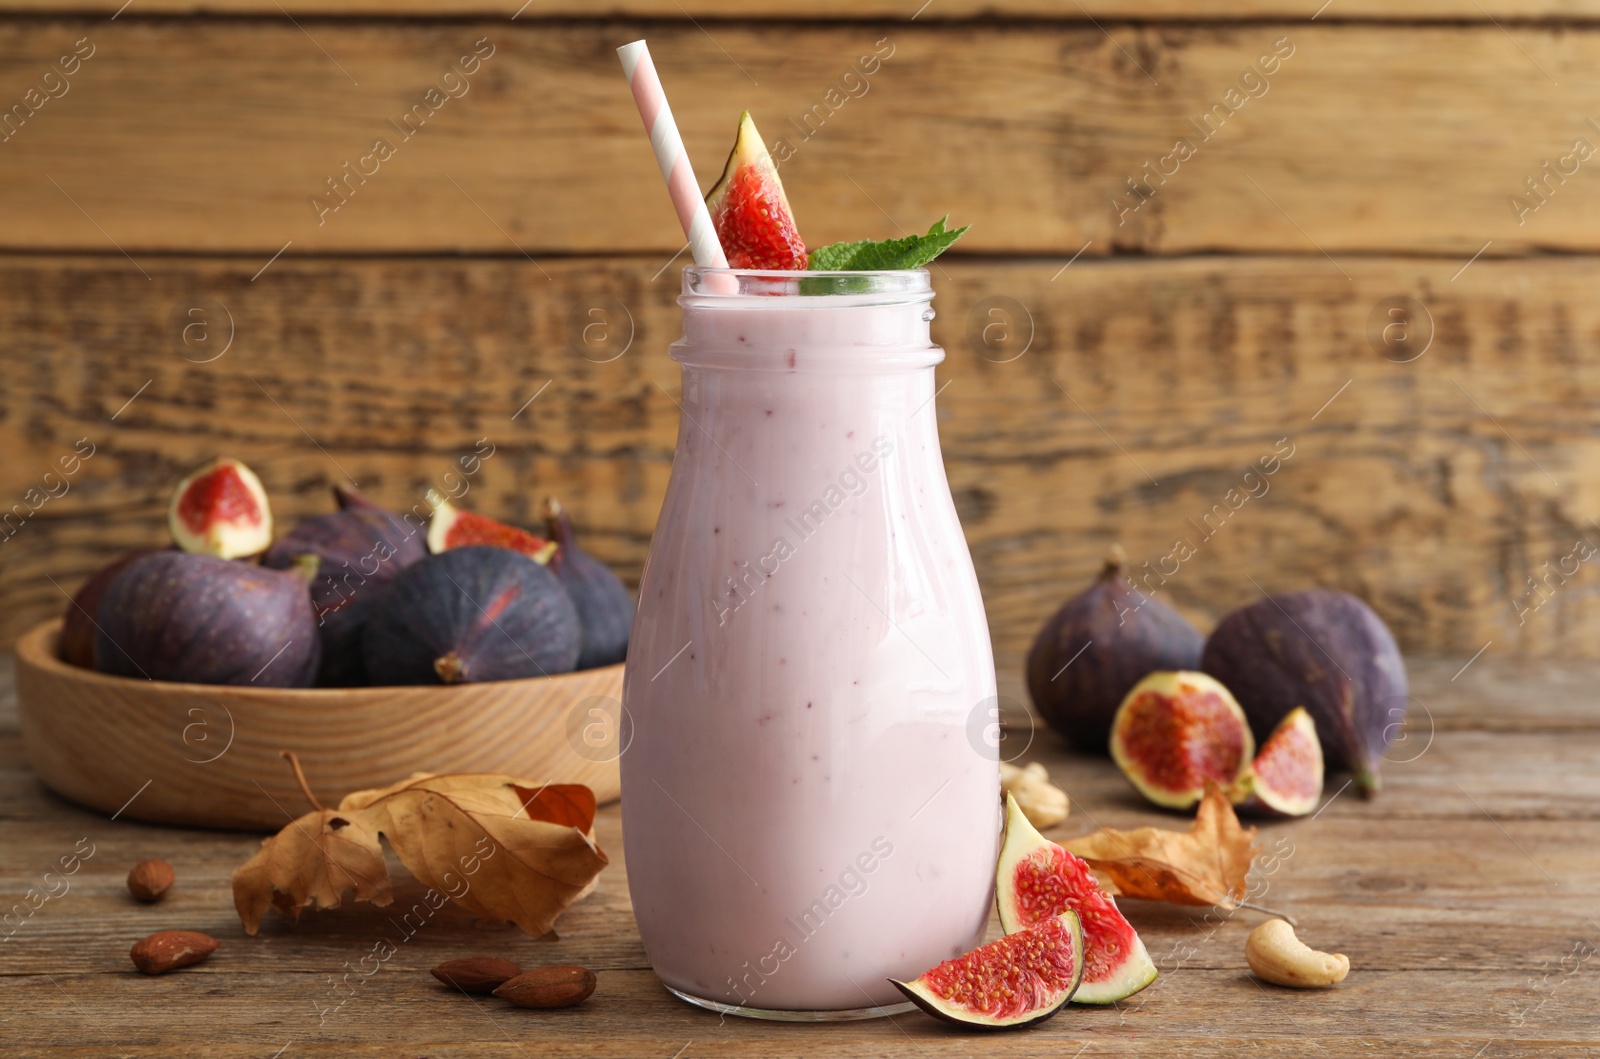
348, 497
604, 606
1324, 650
1101, 643
199, 619
471, 614
350, 556
76, 643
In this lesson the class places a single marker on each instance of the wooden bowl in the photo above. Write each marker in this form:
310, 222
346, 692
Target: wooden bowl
208, 755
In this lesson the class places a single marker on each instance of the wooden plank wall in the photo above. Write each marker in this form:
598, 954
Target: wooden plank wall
1157, 341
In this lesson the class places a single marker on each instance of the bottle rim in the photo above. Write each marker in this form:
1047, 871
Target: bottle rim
728, 284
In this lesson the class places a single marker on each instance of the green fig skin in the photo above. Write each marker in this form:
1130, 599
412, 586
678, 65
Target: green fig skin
1093, 650
1324, 650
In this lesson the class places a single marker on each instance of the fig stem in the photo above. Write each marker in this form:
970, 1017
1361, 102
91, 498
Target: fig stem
1268, 911
300, 777
308, 566
557, 525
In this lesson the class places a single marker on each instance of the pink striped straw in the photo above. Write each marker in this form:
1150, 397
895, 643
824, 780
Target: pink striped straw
670, 155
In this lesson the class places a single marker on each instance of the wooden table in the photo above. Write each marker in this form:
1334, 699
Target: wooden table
1465, 897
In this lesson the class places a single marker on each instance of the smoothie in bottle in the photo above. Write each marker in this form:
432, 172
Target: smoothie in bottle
805, 814
809, 806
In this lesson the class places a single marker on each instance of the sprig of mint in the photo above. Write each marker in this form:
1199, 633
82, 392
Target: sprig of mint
873, 255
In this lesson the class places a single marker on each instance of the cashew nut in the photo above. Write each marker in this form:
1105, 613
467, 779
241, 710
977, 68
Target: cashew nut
1277, 956
1042, 802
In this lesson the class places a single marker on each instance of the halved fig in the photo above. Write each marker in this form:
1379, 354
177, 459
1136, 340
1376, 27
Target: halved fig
451, 527
1286, 777
1176, 732
221, 509
1037, 880
1019, 980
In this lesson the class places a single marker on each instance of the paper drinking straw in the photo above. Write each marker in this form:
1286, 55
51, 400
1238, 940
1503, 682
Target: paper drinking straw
670, 155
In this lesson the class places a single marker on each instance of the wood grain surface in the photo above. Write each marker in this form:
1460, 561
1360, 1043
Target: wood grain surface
1243, 302
1505, 11
1112, 401
1348, 138
504, 280
1456, 894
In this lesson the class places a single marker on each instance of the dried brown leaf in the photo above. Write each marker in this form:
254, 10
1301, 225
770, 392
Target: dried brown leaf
310, 864
1206, 865
570, 804
469, 837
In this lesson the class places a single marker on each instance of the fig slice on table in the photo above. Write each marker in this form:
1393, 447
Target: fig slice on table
451, 527
221, 509
1176, 732
1021, 979
1285, 779
1037, 880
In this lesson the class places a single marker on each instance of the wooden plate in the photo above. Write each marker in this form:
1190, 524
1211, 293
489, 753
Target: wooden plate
208, 755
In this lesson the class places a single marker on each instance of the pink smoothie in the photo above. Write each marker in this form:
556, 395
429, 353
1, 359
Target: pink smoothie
805, 810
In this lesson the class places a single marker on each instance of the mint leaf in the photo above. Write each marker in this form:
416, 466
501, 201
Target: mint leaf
871, 255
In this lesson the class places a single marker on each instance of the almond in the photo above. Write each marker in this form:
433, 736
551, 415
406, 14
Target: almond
476, 974
167, 950
151, 879
549, 987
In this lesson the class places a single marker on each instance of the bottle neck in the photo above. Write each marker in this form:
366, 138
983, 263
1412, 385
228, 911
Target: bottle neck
774, 442
807, 335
